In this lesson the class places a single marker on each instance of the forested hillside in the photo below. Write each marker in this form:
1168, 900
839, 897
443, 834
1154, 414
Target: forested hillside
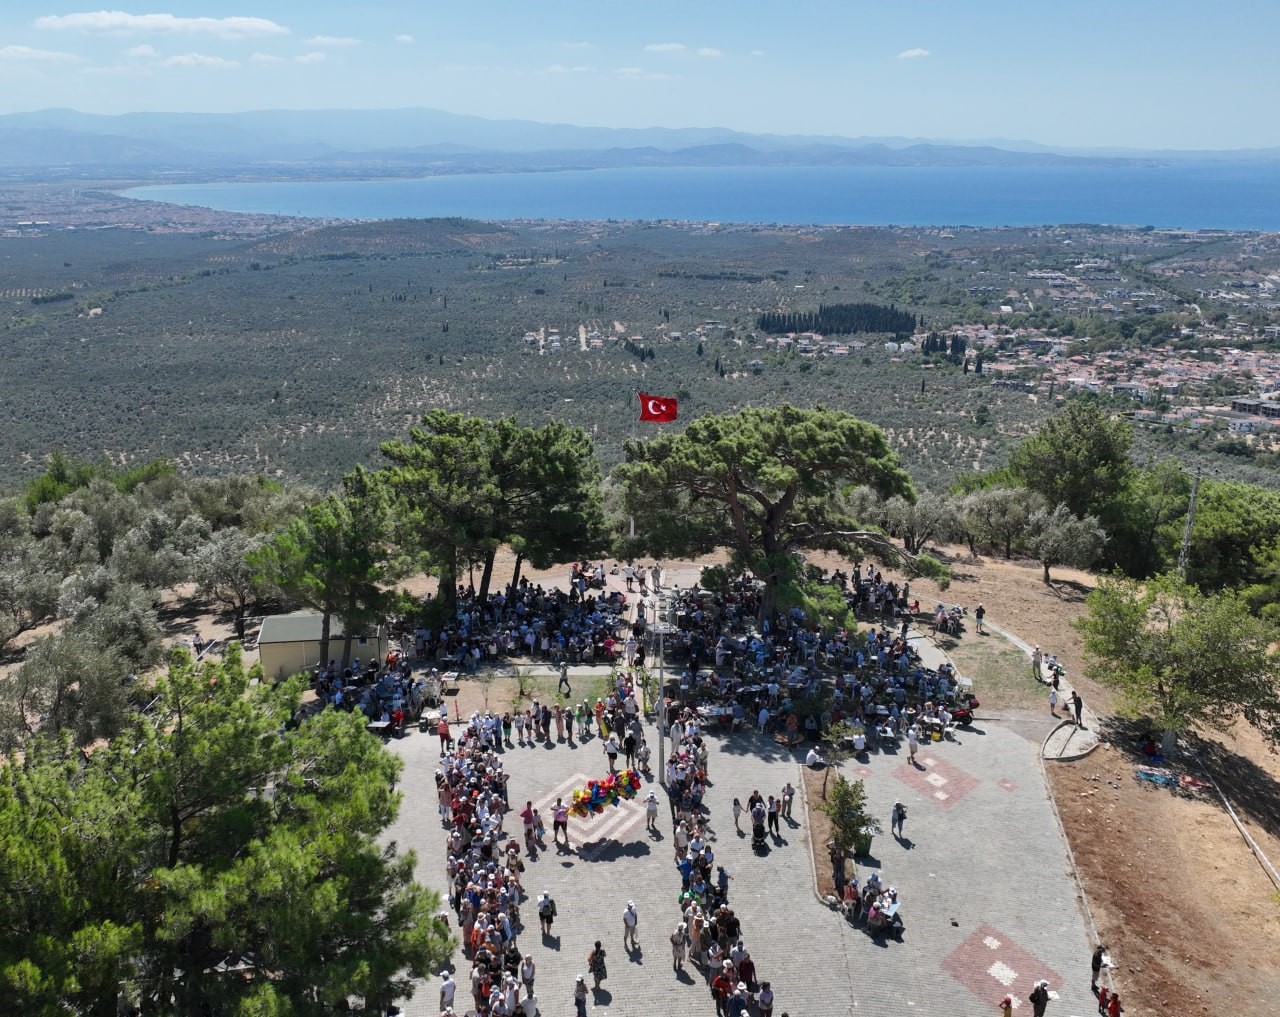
295, 354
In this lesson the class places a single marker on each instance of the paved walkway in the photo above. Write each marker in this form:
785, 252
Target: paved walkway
1067, 741
990, 903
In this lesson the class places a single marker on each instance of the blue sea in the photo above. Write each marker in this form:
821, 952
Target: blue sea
1238, 196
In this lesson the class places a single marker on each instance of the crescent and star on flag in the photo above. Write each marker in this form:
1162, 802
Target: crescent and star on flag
657, 409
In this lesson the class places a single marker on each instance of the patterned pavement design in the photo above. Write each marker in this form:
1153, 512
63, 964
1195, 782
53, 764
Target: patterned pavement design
990, 966
939, 781
989, 865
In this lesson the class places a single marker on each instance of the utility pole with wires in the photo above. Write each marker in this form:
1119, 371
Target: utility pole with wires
1184, 552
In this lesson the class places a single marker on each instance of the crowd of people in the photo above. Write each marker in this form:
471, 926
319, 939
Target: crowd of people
586, 624
382, 690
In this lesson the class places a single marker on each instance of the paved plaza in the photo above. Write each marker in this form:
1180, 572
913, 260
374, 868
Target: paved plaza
989, 900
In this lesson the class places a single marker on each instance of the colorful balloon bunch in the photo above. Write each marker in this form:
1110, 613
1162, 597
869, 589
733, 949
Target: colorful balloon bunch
609, 790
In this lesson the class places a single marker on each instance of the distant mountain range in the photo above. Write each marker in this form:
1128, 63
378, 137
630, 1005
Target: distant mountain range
66, 143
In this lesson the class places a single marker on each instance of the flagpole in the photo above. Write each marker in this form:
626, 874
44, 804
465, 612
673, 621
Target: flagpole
631, 519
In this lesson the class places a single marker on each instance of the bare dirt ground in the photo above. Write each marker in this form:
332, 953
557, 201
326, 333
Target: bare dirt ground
1190, 917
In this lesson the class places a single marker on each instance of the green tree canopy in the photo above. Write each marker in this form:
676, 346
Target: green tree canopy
468, 487
1079, 458
1057, 537
333, 558
1234, 525
218, 857
768, 482
1183, 657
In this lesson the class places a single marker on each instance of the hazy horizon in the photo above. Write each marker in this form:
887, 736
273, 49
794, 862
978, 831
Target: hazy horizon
1089, 75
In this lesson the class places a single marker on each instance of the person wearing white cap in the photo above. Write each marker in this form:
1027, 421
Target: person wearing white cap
580, 996
630, 925
1039, 998
651, 811
679, 946
447, 989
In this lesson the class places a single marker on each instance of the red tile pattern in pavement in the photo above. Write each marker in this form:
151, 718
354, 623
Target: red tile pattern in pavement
991, 967
941, 782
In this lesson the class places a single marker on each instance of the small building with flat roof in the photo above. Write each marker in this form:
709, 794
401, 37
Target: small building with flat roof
290, 643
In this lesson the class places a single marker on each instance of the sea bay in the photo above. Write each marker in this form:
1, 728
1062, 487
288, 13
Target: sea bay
1223, 195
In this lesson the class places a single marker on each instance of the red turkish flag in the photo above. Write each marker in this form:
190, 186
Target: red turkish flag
657, 409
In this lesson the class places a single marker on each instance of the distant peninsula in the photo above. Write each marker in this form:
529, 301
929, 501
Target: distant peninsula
62, 144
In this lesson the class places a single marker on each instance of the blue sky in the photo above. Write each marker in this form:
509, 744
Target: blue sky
1134, 73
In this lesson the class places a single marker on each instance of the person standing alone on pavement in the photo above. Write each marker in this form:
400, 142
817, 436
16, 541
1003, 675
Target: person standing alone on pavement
595, 962
1039, 998
1077, 705
546, 912
630, 925
979, 613
564, 678
897, 818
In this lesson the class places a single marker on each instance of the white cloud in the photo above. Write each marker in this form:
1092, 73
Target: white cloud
134, 70
575, 69
332, 40
665, 47
200, 60
576, 45
311, 58
266, 58
405, 38
757, 52
25, 54
710, 51
913, 54
142, 51
640, 74
120, 21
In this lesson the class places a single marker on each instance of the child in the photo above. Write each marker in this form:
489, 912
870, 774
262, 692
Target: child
1102, 1000
1006, 1007
1114, 1009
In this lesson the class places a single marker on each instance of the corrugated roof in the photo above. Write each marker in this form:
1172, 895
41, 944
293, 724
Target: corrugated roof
301, 627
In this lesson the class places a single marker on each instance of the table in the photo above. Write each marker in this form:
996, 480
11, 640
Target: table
382, 728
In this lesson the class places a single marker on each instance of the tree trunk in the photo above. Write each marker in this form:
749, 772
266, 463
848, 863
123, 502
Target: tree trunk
326, 617
240, 611
1008, 548
515, 575
448, 586
485, 577
1046, 572
768, 599
1168, 744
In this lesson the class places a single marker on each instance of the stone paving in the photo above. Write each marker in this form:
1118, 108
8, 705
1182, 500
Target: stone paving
989, 900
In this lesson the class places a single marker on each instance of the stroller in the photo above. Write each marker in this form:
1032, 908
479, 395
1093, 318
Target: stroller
758, 843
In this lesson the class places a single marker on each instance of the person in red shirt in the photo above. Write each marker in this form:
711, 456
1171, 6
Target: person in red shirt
1114, 1009
721, 986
